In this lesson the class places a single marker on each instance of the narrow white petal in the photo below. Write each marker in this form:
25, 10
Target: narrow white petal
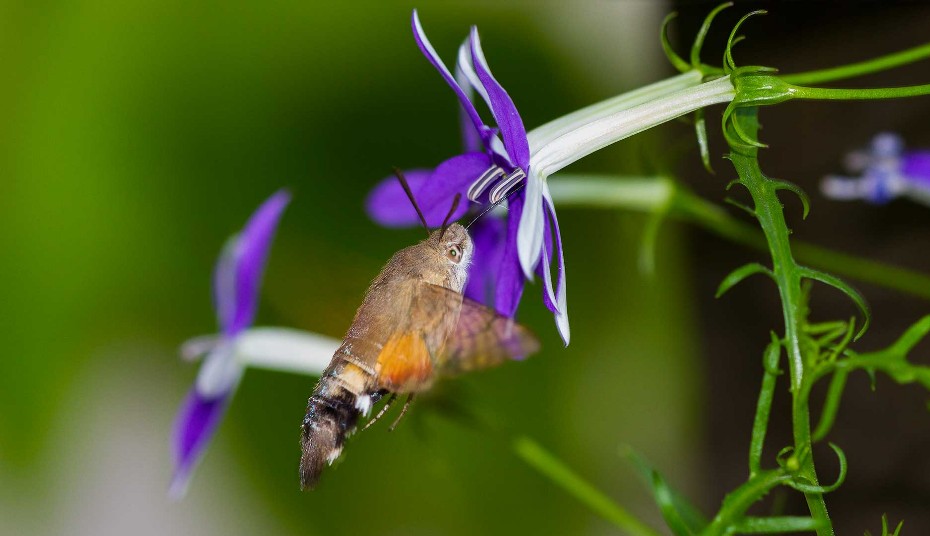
530, 231
220, 371
464, 64
547, 275
194, 349
561, 300
603, 131
285, 349
497, 147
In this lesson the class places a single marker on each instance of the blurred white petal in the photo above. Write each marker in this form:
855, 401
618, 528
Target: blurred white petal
219, 373
287, 350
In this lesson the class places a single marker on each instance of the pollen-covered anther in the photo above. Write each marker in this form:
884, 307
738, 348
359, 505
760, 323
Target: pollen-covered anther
506, 185
481, 184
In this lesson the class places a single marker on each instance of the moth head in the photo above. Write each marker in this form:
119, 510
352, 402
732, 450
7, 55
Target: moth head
454, 246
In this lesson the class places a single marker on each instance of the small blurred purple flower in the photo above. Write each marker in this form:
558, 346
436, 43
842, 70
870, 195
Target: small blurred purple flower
884, 172
236, 282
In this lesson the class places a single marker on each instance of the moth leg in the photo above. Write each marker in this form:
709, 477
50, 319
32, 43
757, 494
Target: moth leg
403, 412
381, 412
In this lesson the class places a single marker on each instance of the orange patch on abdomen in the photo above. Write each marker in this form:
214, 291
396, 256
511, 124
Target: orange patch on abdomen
404, 364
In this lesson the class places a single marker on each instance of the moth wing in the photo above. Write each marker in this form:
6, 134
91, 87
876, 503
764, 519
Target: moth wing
481, 337
417, 334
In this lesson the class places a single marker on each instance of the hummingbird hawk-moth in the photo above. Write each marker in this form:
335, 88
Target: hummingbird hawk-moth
413, 327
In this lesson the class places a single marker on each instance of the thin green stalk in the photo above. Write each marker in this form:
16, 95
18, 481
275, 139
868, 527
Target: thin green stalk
820, 93
553, 468
651, 194
831, 405
770, 215
852, 70
761, 423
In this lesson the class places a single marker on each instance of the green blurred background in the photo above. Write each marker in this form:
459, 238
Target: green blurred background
137, 136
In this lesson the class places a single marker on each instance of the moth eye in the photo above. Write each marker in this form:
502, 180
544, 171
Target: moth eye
454, 254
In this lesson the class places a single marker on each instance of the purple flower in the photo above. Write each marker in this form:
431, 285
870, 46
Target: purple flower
236, 283
885, 171
496, 161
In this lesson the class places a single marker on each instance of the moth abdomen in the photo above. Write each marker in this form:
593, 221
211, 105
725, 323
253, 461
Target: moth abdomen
323, 432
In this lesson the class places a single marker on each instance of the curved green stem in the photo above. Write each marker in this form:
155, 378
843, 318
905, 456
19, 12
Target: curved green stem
852, 70
737, 502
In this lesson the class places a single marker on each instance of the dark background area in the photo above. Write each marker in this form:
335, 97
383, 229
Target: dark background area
885, 433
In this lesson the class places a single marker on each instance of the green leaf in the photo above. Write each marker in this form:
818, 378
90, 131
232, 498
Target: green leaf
911, 337
700, 130
728, 53
885, 532
845, 288
665, 500
674, 58
647, 250
739, 274
702, 34
791, 187
680, 515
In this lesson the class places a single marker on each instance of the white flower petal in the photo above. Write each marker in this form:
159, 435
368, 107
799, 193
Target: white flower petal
544, 134
530, 231
220, 371
561, 299
287, 350
464, 64
193, 349
611, 127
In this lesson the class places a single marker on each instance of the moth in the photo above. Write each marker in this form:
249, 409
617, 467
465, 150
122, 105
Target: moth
413, 327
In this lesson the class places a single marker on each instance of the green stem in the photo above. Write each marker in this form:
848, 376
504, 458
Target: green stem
763, 407
852, 70
770, 214
739, 500
820, 93
547, 464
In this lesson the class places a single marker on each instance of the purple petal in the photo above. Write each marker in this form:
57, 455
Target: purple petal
453, 176
916, 167
224, 283
193, 428
388, 204
487, 235
510, 275
427, 48
502, 107
251, 252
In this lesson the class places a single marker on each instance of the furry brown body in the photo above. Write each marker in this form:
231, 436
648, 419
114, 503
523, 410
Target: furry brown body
412, 326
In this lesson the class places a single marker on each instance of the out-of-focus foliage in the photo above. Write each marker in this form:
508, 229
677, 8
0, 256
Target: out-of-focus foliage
138, 135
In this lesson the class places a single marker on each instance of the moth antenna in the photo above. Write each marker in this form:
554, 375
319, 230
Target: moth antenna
445, 222
493, 205
406, 187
